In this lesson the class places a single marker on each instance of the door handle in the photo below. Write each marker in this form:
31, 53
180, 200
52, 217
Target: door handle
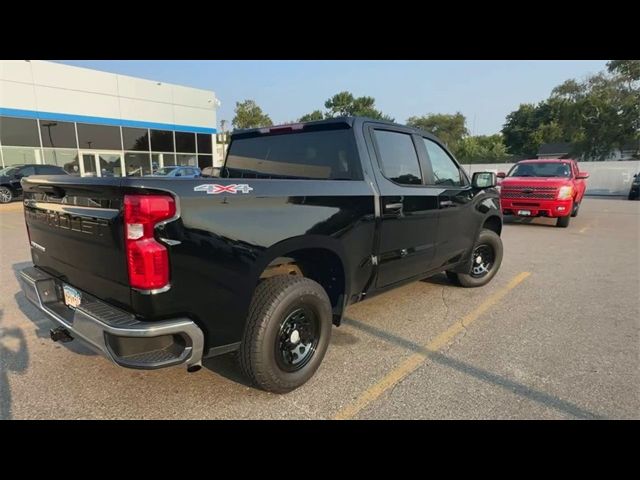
446, 203
393, 206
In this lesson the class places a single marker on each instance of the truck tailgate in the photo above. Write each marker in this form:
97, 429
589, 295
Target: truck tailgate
75, 229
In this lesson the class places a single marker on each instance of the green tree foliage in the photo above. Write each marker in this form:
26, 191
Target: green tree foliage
482, 149
629, 69
310, 117
344, 104
451, 129
596, 115
249, 115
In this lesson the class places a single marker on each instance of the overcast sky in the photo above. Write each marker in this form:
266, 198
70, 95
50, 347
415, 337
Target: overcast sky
484, 91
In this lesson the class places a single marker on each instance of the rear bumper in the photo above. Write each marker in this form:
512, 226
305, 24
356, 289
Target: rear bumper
112, 332
538, 208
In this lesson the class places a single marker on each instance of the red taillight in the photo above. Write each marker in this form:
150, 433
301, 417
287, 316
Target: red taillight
147, 260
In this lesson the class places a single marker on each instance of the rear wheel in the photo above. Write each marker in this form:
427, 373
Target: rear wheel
287, 333
563, 222
485, 263
6, 195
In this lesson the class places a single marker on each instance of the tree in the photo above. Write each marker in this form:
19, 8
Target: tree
310, 117
250, 115
344, 104
596, 115
451, 129
482, 149
629, 69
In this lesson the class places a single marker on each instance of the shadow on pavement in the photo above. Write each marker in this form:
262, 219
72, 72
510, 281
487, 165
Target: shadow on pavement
486, 376
40, 320
513, 220
14, 357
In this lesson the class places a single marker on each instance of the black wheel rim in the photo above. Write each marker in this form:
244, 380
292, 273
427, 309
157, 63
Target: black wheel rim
483, 259
297, 339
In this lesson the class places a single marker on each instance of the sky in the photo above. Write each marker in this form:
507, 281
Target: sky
485, 91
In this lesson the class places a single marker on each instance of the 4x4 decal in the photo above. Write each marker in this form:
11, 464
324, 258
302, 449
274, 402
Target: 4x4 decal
215, 188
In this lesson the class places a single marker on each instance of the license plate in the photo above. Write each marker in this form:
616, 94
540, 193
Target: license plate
72, 297
524, 213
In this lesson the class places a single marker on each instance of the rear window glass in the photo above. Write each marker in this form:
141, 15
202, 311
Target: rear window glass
324, 154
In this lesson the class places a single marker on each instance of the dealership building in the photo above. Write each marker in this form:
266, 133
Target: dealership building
94, 123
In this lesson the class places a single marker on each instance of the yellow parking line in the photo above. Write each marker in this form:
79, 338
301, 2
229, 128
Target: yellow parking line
415, 360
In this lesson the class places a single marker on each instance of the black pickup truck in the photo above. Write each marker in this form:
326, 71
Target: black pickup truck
305, 220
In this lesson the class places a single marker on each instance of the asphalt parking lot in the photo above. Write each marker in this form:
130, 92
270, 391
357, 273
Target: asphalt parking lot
555, 335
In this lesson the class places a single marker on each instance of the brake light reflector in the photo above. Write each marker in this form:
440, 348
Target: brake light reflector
147, 260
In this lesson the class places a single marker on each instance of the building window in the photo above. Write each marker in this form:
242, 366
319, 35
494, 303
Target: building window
19, 132
137, 164
66, 159
135, 139
204, 143
102, 137
185, 142
159, 160
58, 134
186, 160
205, 161
162, 141
110, 165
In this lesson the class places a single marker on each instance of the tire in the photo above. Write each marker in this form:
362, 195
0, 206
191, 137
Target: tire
491, 240
575, 209
6, 195
563, 222
285, 302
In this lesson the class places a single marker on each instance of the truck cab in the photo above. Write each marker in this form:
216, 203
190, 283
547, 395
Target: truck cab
550, 188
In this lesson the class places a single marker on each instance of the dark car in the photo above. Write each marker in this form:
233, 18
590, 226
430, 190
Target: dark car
305, 220
10, 177
634, 191
177, 171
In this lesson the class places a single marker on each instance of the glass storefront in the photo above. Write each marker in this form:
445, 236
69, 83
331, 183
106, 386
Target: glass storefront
100, 150
137, 164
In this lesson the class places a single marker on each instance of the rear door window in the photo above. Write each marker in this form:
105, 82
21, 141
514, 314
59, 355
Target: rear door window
398, 157
319, 154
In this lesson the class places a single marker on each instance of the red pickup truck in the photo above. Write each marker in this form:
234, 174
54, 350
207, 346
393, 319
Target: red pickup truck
543, 188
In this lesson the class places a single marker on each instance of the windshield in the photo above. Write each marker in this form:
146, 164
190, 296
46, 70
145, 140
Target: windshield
8, 171
541, 169
164, 170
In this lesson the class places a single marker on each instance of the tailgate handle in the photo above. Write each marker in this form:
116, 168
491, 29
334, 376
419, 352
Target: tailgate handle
52, 190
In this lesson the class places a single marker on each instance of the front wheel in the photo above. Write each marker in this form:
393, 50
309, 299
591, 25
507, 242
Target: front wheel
485, 262
574, 210
6, 195
563, 222
287, 333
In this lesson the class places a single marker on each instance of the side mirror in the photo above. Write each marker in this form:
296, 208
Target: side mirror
483, 180
501, 175
582, 175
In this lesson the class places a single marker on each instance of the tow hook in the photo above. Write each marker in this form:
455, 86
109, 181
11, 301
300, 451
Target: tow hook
60, 334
